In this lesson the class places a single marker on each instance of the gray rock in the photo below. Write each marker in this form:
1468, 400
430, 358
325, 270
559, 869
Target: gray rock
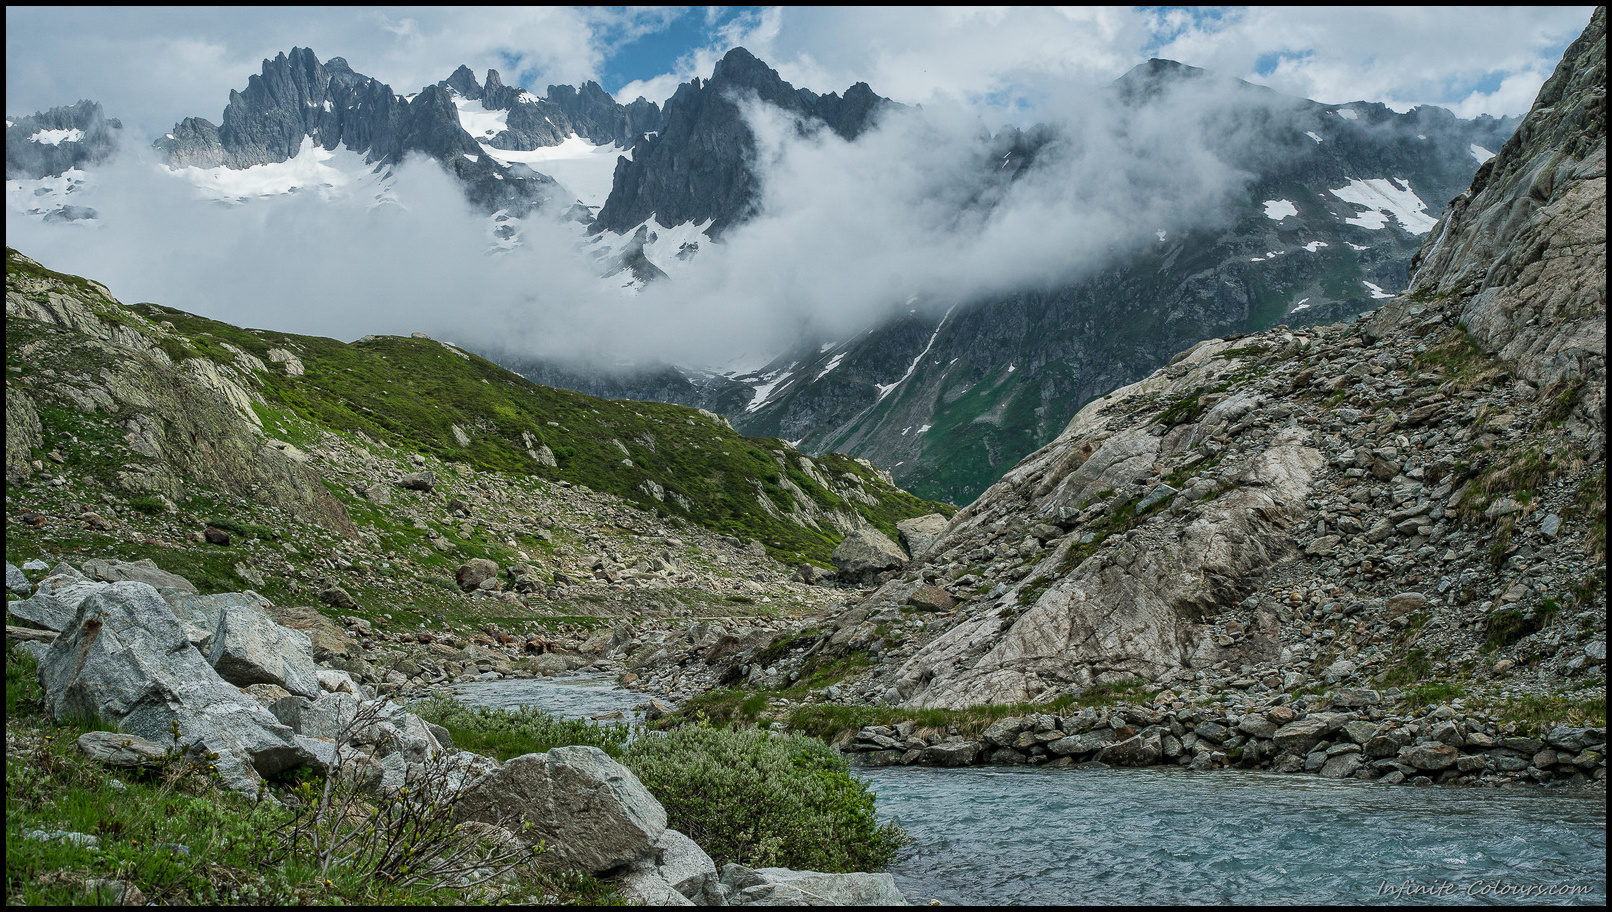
1300, 735
119, 749
144, 570
856, 889
592, 811
250, 648
1258, 726
126, 660
1084, 743
418, 481
55, 601
920, 533
1138, 750
326, 716
955, 753
866, 552
1341, 766
201, 614
646, 887
472, 573
683, 864
1359, 732
1431, 756
17, 581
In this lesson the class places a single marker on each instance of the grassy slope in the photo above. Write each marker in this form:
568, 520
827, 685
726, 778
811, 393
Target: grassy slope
410, 393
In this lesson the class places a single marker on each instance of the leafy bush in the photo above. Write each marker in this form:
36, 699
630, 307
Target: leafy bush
149, 504
506, 733
763, 800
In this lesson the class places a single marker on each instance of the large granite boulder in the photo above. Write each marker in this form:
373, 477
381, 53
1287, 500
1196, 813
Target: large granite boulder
55, 601
250, 648
866, 552
920, 532
127, 660
593, 812
144, 570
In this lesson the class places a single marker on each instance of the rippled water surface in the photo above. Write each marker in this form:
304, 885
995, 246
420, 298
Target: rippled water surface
1000, 836
1062, 837
571, 696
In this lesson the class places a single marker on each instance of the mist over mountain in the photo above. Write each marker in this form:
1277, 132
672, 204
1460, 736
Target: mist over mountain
837, 270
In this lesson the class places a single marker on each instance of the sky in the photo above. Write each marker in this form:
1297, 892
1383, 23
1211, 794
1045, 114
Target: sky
884, 210
153, 66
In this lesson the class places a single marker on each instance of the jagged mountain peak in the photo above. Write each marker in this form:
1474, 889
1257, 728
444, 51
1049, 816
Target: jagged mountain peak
464, 81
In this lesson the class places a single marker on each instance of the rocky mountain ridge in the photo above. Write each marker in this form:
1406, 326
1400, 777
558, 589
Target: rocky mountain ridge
699, 167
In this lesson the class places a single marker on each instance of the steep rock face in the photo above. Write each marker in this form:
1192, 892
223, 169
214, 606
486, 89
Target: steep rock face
533, 123
698, 168
1522, 253
1228, 511
1143, 606
297, 98
47, 143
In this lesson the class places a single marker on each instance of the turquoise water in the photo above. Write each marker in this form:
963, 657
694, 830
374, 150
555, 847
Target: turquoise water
1062, 837
1019, 836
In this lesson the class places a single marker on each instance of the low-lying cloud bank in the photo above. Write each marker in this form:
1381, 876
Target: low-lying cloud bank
918, 213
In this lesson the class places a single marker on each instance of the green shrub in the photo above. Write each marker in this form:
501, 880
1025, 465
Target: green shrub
506, 733
763, 800
149, 504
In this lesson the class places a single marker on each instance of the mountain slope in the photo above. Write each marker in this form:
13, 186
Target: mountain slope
1409, 501
1334, 208
410, 393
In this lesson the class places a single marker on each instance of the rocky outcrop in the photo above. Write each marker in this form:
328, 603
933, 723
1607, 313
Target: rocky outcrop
47, 143
22, 434
1299, 505
698, 167
297, 98
1520, 257
248, 647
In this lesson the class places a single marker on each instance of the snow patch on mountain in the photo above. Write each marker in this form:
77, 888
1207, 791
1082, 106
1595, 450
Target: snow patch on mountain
584, 169
769, 383
337, 174
56, 137
884, 389
478, 121
832, 363
1385, 198
1480, 153
1376, 291
1276, 210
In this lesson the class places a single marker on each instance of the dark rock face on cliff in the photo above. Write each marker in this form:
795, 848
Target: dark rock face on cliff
698, 167
47, 143
534, 123
1304, 505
